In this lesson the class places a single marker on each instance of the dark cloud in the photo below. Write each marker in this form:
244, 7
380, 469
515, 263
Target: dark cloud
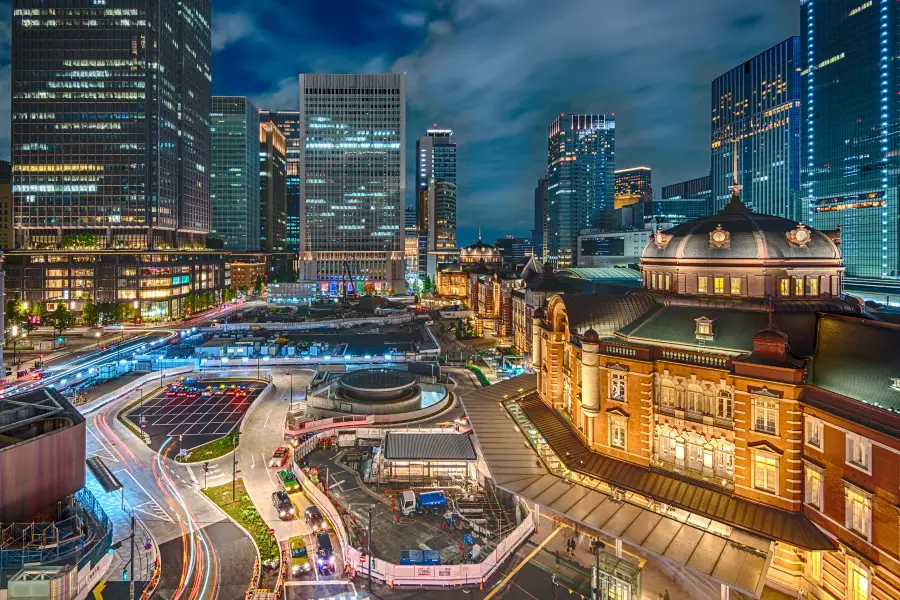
498, 71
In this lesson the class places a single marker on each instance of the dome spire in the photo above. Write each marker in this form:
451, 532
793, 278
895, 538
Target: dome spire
736, 205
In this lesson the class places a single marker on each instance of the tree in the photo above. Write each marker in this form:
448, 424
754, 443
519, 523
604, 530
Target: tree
427, 286
190, 303
37, 314
106, 312
229, 294
369, 288
90, 314
258, 287
123, 312
15, 312
61, 319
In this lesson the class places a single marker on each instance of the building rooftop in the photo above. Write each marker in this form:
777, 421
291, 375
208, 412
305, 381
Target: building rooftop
428, 446
24, 417
216, 343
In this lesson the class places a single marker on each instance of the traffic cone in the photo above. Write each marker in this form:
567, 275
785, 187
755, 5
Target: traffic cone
481, 585
392, 584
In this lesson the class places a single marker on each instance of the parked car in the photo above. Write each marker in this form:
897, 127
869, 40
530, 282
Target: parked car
282, 503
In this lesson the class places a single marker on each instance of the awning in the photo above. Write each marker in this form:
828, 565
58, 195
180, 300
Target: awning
107, 480
739, 560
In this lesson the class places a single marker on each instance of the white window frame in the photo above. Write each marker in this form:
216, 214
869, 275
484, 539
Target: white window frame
858, 502
618, 379
854, 566
814, 432
814, 566
769, 407
767, 459
618, 432
667, 395
725, 414
858, 446
813, 486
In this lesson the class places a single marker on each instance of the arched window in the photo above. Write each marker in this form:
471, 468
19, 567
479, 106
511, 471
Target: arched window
695, 398
667, 393
725, 405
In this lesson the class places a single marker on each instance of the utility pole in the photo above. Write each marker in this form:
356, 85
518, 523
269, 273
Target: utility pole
291, 409
233, 464
368, 551
131, 579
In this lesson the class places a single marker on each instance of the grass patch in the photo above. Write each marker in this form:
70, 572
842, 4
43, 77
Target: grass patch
215, 448
479, 375
120, 416
246, 514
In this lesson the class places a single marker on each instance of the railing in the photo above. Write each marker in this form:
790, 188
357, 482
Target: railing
697, 359
620, 350
694, 415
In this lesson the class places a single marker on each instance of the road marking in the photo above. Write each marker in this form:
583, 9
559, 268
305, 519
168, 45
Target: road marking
103, 447
320, 582
524, 562
191, 473
98, 591
252, 461
167, 517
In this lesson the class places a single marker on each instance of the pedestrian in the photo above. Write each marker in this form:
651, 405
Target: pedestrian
659, 596
666, 594
573, 545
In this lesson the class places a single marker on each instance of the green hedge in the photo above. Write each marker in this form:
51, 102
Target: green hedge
246, 514
479, 374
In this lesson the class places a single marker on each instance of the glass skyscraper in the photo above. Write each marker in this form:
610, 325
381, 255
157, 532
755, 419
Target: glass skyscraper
353, 180
692, 188
541, 205
436, 198
581, 165
110, 123
756, 113
272, 187
852, 120
288, 121
633, 185
235, 173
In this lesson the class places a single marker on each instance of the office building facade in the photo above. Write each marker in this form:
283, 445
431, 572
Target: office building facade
411, 244
581, 157
288, 121
436, 198
110, 123
633, 185
539, 232
701, 187
756, 115
234, 174
6, 229
272, 188
353, 179
852, 114
672, 212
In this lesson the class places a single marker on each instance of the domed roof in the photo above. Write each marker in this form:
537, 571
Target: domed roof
735, 232
480, 247
591, 336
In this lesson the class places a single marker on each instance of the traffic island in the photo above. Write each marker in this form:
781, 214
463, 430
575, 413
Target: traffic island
245, 514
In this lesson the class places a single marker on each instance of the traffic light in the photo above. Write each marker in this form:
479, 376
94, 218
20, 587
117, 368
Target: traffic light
124, 573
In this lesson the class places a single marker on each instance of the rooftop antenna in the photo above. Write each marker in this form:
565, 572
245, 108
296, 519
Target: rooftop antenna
479, 233
735, 186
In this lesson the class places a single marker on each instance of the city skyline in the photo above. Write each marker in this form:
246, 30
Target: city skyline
659, 103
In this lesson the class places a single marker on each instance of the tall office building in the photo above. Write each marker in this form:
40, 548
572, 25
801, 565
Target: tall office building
436, 198
756, 114
288, 121
581, 165
110, 123
539, 236
633, 185
675, 211
272, 188
234, 173
699, 188
411, 244
852, 114
353, 179
6, 230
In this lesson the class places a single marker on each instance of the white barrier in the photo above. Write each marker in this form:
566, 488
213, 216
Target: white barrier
105, 399
314, 325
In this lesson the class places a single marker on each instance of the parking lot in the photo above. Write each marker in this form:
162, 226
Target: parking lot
198, 412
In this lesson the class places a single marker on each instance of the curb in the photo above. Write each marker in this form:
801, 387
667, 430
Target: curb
242, 528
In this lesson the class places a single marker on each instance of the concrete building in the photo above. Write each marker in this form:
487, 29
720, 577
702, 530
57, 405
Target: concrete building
411, 245
234, 174
436, 198
272, 188
581, 182
7, 236
110, 124
288, 122
354, 128
756, 116
611, 248
633, 185
701, 188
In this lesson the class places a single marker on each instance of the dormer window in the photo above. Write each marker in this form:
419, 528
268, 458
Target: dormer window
895, 384
704, 328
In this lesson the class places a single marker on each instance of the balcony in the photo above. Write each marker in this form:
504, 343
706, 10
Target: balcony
694, 416
705, 474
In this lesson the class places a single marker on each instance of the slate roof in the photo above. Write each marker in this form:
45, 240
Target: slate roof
609, 308
609, 274
686, 494
428, 446
753, 235
858, 358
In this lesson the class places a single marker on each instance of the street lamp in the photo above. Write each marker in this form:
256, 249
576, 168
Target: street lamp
15, 336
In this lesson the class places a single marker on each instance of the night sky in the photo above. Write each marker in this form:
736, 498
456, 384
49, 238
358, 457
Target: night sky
497, 72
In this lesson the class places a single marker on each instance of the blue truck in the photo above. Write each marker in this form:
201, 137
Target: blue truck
411, 502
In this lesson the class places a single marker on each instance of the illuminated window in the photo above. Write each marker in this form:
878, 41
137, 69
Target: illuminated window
719, 285
668, 281
858, 510
724, 405
765, 416
654, 280
735, 286
704, 328
617, 385
701, 285
814, 432
814, 566
859, 451
813, 487
618, 431
813, 286
857, 581
667, 394
785, 287
798, 286
765, 472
